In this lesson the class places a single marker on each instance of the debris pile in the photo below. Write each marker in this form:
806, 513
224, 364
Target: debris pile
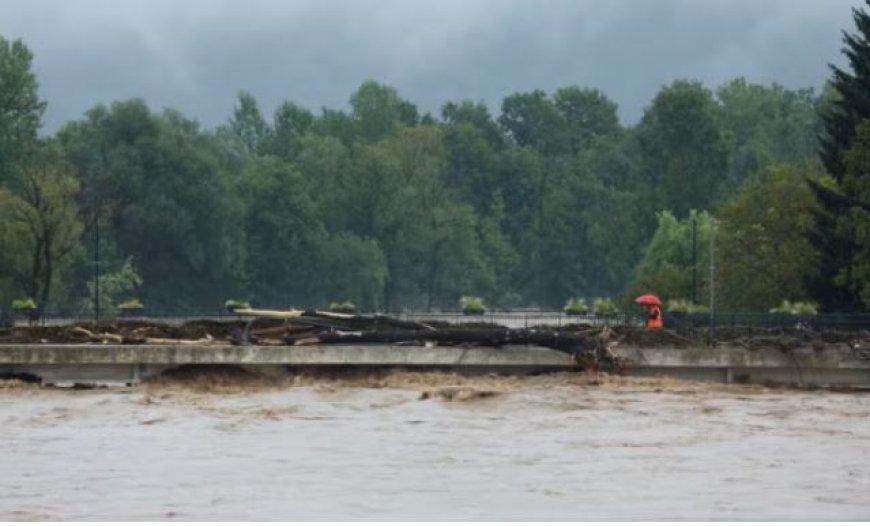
125, 332
590, 347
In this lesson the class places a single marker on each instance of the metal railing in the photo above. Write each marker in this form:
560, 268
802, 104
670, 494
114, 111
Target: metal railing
827, 321
524, 319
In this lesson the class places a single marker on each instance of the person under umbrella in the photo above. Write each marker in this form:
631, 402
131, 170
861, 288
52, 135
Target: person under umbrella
654, 319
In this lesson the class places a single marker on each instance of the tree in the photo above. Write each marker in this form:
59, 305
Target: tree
451, 259
666, 267
409, 171
284, 235
114, 286
337, 124
856, 183
476, 115
20, 107
519, 175
588, 116
471, 165
157, 182
395, 195
351, 268
683, 152
292, 122
535, 125
378, 110
588, 243
391, 209
498, 256
473, 142
837, 285
766, 125
326, 165
764, 256
249, 126
853, 89
532, 119
45, 215
106, 151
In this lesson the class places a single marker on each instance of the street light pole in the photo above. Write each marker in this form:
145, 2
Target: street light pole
694, 259
712, 334
96, 268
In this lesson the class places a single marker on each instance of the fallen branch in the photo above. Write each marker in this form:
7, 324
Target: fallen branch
275, 314
355, 320
105, 337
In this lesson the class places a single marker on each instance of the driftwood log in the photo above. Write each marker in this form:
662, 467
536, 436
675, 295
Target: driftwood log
136, 338
104, 337
274, 314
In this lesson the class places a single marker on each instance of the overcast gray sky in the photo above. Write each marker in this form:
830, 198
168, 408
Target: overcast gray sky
196, 55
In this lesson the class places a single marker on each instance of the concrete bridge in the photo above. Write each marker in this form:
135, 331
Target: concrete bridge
63, 364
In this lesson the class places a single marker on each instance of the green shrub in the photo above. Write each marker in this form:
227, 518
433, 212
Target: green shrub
233, 305
113, 285
131, 304
472, 305
604, 307
801, 308
686, 306
576, 306
23, 304
343, 307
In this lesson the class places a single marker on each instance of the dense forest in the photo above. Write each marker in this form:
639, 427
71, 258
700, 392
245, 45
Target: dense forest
551, 198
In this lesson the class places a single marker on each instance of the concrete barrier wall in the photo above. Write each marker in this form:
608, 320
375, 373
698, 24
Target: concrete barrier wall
280, 355
131, 363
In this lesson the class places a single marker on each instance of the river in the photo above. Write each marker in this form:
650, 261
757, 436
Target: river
542, 448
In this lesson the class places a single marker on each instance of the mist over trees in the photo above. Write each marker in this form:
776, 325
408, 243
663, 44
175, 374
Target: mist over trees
550, 198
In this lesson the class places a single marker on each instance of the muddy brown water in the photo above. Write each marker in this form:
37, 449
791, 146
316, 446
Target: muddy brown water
432, 447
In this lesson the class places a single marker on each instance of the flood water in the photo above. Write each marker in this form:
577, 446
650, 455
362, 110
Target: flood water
537, 449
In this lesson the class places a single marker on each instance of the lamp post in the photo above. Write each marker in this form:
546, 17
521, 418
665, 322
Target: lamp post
712, 333
96, 267
694, 259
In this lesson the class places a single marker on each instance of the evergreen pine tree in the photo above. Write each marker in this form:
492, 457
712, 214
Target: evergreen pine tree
835, 232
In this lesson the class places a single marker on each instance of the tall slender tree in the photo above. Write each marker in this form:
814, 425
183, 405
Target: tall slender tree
20, 107
837, 228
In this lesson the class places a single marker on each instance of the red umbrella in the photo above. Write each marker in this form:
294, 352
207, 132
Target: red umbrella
648, 299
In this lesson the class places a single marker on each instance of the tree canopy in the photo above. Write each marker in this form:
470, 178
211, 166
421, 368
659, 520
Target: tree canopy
548, 198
